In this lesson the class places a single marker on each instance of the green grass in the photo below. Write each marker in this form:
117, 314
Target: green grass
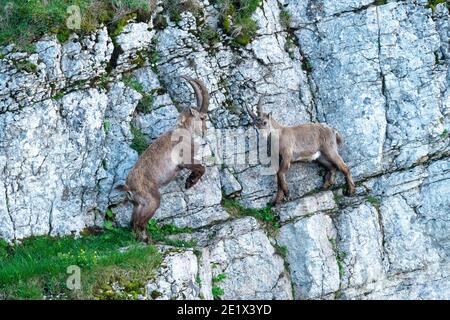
38, 266
208, 36
285, 19
25, 65
139, 143
145, 105
433, 3
162, 233
217, 291
282, 251
106, 125
133, 83
174, 8
307, 65
444, 135
380, 2
58, 96
340, 256
373, 201
236, 19
22, 21
265, 214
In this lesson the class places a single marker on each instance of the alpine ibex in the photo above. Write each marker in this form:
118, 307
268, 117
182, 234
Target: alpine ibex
162, 160
306, 142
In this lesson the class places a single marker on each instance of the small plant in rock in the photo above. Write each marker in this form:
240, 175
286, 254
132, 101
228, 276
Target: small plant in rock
139, 142
433, 3
373, 201
106, 126
174, 8
162, 233
217, 291
380, 2
307, 65
209, 36
133, 83
236, 19
340, 256
285, 19
281, 251
444, 134
265, 214
290, 47
25, 65
58, 96
145, 105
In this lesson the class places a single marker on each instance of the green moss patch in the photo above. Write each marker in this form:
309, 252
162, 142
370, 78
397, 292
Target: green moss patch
37, 268
23, 21
265, 214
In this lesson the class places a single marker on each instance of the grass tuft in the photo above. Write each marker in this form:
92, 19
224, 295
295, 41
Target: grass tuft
217, 291
139, 142
373, 201
162, 233
174, 8
236, 19
433, 3
265, 215
285, 19
36, 269
22, 21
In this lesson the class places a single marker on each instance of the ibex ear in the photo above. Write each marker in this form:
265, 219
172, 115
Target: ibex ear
191, 111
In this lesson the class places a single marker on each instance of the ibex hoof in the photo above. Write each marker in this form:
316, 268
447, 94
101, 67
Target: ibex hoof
189, 184
350, 191
326, 186
277, 201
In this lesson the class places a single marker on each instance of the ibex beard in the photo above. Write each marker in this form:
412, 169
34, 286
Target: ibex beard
164, 159
306, 142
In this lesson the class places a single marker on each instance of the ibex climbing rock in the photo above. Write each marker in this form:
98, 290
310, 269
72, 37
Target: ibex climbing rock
161, 162
306, 142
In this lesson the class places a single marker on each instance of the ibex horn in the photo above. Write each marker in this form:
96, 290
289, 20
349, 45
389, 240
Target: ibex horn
205, 96
259, 106
197, 90
201, 93
251, 113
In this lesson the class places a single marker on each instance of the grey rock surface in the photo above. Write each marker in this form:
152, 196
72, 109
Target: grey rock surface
377, 73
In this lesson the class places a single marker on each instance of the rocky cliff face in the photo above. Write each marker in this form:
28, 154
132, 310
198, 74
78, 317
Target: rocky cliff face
377, 73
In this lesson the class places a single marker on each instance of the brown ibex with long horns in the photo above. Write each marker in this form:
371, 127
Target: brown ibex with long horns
306, 142
162, 160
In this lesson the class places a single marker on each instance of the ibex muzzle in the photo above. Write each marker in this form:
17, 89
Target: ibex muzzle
306, 142
161, 162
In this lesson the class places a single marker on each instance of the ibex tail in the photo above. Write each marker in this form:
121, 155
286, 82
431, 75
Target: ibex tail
339, 138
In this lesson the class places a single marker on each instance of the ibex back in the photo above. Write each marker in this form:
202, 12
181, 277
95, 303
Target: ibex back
161, 162
307, 142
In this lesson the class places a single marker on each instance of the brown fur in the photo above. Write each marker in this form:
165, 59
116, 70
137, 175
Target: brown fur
303, 143
156, 167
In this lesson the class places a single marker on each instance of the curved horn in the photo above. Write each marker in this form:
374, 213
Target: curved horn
259, 107
197, 90
251, 113
205, 96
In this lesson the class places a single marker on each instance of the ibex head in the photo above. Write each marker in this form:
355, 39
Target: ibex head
194, 119
263, 121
